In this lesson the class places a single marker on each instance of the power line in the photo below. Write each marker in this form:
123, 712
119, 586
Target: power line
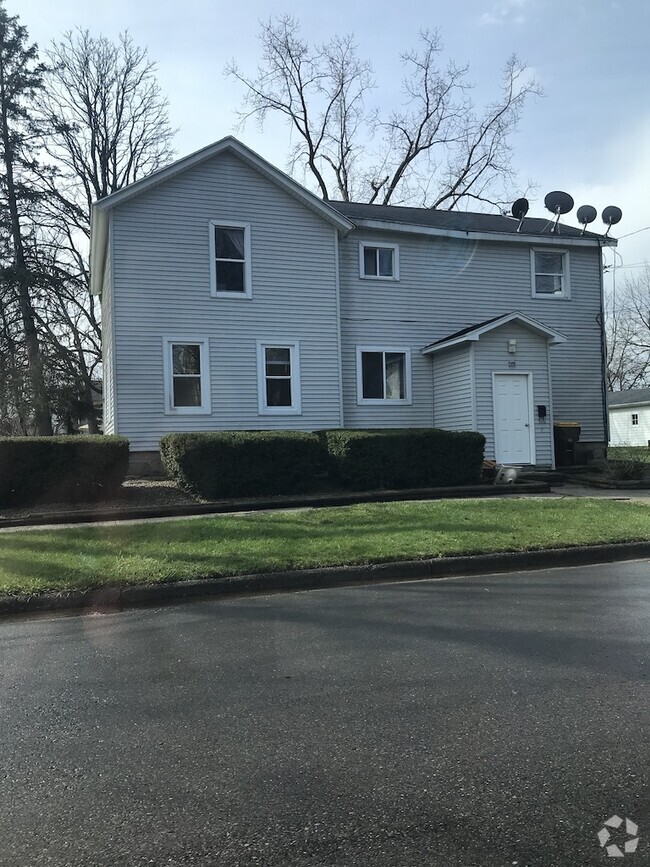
629, 234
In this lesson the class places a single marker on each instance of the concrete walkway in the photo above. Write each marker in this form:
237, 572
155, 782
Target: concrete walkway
571, 490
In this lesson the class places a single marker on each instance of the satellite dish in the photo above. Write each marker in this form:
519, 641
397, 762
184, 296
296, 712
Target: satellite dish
612, 215
586, 214
558, 202
519, 210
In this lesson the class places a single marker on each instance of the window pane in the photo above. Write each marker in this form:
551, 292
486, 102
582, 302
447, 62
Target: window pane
395, 380
230, 276
548, 284
385, 262
278, 361
229, 243
372, 374
186, 358
370, 261
187, 391
548, 263
278, 392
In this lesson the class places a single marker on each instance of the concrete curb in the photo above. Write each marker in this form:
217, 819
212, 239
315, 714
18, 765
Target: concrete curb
225, 506
118, 598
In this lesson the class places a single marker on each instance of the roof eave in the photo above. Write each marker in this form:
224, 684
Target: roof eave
552, 337
518, 238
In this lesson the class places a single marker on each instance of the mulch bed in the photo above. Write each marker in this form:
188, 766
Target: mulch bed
136, 493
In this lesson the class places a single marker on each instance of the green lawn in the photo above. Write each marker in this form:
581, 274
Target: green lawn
89, 556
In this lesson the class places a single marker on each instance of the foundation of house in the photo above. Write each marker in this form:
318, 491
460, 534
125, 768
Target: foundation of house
145, 465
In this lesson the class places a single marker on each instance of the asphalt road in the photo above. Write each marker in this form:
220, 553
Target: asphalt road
491, 721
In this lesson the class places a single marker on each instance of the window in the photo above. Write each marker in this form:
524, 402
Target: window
379, 262
278, 378
187, 383
550, 273
383, 375
635, 418
231, 257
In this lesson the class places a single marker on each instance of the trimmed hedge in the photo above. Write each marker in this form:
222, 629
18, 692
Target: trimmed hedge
242, 463
61, 469
411, 458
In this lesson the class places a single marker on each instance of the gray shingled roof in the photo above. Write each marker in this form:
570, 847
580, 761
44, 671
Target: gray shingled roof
630, 397
467, 330
457, 220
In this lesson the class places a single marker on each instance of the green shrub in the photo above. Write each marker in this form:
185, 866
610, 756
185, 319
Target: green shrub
242, 463
61, 469
626, 469
412, 458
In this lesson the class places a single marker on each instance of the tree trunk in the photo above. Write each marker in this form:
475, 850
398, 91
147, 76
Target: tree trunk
42, 415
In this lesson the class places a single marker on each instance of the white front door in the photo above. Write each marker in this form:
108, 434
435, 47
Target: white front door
512, 419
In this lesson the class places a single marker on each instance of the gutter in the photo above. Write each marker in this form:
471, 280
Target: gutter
551, 240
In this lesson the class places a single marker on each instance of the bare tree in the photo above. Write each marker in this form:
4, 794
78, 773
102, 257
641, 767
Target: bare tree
628, 334
437, 148
105, 124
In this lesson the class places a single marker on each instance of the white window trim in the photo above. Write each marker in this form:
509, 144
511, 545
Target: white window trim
566, 275
294, 359
635, 415
248, 285
394, 247
204, 344
385, 401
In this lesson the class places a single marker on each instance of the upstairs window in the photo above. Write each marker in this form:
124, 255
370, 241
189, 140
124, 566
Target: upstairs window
379, 262
635, 418
383, 375
187, 382
278, 378
230, 252
550, 273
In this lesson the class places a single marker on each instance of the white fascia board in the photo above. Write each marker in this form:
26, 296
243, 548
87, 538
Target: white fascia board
327, 212
552, 336
98, 249
519, 238
616, 406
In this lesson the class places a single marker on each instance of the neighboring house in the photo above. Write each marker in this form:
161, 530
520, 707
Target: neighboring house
233, 298
629, 417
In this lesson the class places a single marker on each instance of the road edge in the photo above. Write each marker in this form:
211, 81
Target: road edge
116, 598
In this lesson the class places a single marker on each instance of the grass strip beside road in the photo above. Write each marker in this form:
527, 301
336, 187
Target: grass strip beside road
221, 545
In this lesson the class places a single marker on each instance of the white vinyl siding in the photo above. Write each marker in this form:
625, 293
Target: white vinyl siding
453, 389
448, 284
623, 431
491, 356
108, 351
162, 282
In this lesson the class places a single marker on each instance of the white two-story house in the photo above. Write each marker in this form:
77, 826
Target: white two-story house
234, 298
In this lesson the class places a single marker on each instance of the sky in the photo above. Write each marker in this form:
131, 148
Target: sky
589, 134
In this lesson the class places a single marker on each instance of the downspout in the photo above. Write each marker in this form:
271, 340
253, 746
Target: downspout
603, 346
